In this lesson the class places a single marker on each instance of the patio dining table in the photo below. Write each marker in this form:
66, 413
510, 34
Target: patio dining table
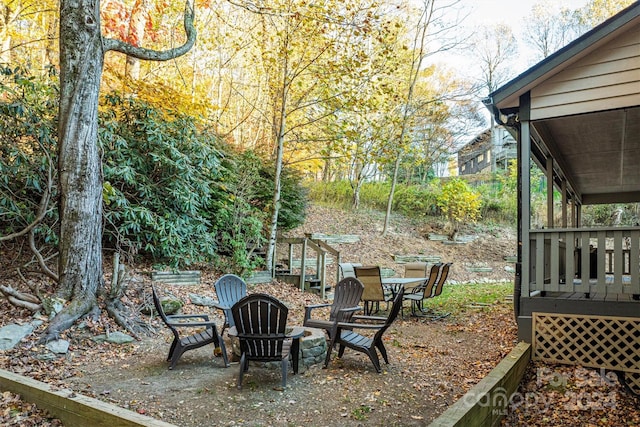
395, 284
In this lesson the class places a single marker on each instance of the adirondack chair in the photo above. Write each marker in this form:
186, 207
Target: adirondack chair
229, 289
423, 291
346, 298
344, 334
206, 332
261, 328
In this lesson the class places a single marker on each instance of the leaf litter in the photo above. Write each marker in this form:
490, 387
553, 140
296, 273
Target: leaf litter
432, 363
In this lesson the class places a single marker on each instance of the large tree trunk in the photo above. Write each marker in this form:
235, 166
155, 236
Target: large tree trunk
82, 51
80, 259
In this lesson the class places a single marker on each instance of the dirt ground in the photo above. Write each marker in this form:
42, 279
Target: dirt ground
432, 362
411, 237
431, 365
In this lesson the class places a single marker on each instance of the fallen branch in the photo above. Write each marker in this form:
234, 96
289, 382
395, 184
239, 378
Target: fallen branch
24, 304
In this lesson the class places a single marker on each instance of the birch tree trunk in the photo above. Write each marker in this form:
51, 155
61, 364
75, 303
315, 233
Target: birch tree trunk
414, 71
277, 179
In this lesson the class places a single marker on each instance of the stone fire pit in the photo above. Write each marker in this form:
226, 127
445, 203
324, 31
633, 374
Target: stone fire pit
313, 349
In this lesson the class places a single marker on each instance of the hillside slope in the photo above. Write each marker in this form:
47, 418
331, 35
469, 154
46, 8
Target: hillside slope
488, 249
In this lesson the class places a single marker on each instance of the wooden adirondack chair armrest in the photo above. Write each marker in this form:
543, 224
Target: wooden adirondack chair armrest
204, 317
308, 308
190, 324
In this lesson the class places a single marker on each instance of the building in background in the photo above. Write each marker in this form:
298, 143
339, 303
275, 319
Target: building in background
487, 152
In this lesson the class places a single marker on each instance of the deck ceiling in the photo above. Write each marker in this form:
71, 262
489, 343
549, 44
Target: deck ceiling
598, 152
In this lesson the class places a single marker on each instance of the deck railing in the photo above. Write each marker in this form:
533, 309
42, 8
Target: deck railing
589, 260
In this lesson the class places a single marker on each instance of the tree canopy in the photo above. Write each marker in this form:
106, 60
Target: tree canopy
123, 130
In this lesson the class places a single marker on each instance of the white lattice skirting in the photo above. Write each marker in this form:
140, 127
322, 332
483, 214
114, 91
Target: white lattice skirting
592, 341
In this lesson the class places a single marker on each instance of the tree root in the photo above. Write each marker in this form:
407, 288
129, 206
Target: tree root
127, 319
123, 315
21, 299
67, 317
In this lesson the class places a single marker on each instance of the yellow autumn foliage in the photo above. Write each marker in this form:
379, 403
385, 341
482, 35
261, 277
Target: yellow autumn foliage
459, 202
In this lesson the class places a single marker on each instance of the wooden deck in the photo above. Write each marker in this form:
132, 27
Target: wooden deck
592, 304
588, 296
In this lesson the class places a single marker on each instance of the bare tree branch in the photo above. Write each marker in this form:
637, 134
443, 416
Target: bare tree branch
154, 55
41, 261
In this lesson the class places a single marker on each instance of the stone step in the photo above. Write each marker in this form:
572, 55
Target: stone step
176, 277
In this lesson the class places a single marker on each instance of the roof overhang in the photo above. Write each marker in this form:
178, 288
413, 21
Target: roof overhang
597, 152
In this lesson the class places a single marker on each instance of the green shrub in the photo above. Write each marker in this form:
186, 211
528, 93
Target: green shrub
28, 141
415, 200
176, 193
160, 175
243, 212
171, 190
374, 195
336, 193
293, 196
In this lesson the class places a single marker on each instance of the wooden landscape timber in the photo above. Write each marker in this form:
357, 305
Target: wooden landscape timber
176, 277
334, 238
73, 409
403, 259
486, 403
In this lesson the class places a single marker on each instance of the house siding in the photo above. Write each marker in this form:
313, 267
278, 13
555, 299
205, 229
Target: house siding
609, 78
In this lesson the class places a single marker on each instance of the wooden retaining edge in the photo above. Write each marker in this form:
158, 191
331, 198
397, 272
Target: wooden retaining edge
334, 238
71, 408
259, 277
486, 403
297, 262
